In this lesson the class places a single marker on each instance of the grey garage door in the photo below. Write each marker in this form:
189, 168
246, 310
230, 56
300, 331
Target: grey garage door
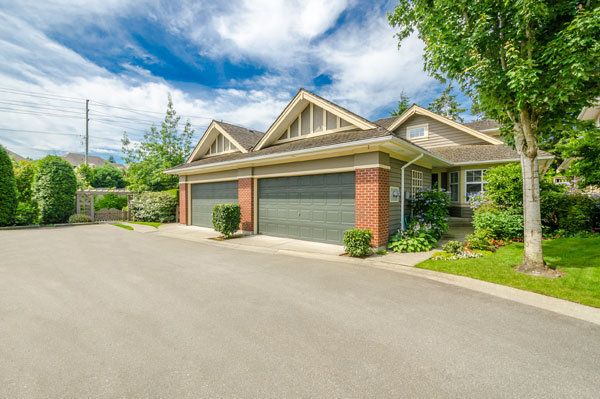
315, 207
206, 195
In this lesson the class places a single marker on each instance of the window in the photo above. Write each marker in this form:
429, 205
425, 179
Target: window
417, 132
454, 187
417, 181
312, 120
474, 182
220, 145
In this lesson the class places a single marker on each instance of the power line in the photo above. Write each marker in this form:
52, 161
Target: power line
40, 105
38, 109
18, 111
150, 112
40, 96
37, 93
41, 132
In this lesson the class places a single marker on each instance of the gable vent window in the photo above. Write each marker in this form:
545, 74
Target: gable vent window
417, 132
305, 128
312, 120
417, 181
220, 145
318, 119
331, 121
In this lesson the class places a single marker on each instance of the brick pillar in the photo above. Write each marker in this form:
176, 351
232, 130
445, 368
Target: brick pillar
373, 203
246, 201
183, 205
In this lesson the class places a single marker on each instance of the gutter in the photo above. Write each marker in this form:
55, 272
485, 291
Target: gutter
402, 189
497, 161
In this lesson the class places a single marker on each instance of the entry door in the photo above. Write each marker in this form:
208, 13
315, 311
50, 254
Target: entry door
206, 195
315, 207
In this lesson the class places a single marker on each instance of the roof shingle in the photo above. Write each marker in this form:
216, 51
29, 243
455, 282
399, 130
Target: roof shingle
247, 138
480, 153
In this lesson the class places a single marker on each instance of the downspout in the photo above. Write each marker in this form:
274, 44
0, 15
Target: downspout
402, 188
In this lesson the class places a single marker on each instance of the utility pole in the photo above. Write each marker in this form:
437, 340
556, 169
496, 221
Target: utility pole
87, 133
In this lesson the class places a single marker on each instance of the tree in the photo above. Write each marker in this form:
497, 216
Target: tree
403, 104
54, 189
583, 145
107, 176
85, 176
111, 159
8, 190
528, 63
24, 175
447, 105
158, 151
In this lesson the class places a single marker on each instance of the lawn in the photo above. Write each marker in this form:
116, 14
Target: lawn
579, 258
124, 226
153, 224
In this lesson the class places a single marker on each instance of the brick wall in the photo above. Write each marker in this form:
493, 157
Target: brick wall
246, 201
183, 205
373, 203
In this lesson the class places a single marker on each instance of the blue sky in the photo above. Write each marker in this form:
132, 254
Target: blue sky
238, 61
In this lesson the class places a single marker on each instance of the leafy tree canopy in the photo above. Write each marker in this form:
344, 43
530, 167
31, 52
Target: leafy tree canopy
583, 145
24, 175
160, 149
8, 190
447, 105
403, 104
107, 176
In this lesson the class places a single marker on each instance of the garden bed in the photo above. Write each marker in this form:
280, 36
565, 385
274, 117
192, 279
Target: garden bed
578, 258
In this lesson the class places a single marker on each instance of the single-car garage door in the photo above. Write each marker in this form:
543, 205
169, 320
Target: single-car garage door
315, 207
206, 195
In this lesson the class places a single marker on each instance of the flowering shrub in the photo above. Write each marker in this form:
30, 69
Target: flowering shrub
154, 206
418, 237
453, 247
501, 225
463, 254
430, 207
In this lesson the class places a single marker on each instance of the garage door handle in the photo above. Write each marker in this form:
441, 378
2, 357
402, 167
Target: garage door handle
298, 213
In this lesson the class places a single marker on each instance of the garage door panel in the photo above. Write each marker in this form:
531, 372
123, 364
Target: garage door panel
314, 207
204, 196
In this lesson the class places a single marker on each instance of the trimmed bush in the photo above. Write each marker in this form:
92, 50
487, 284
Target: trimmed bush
357, 242
154, 207
502, 225
79, 219
226, 218
27, 214
453, 247
570, 212
54, 189
8, 190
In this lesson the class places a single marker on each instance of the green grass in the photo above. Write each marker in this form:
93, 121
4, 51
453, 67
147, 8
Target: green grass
579, 258
124, 226
153, 224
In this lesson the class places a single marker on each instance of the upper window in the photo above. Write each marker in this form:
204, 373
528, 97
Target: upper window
314, 119
221, 145
417, 132
474, 182
454, 187
417, 181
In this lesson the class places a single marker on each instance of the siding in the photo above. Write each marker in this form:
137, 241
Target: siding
395, 181
440, 134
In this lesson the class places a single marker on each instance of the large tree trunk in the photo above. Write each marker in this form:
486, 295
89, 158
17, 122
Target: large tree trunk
527, 147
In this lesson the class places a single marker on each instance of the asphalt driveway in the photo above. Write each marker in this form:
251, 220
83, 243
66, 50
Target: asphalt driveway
99, 311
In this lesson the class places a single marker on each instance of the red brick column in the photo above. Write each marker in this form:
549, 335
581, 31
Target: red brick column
373, 203
183, 205
246, 201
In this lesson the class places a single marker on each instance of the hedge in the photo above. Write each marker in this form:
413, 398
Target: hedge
154, 206
54, 188
8, 190
226, 218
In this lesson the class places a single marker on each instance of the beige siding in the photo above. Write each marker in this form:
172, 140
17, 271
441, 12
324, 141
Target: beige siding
440, 134
395, 181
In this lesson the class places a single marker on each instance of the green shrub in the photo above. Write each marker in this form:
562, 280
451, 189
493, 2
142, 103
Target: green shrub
54, 189
453, 247
79, 219
480, 241
8, 190
572, 212
24, 174
154, 207
357, 242
110, 201
431, 208
416, 238
85, 176
226, 218
503, 225
27, 214
108, 175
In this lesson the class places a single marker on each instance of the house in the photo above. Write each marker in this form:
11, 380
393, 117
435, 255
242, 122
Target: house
16, 157
77, 159
320, 169
591, 113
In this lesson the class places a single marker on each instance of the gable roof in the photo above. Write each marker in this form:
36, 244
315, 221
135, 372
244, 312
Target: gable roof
77, 159
482, 153
483, 125
415, 109
247, 138
297, 104
242, 138
386, 122
14, 155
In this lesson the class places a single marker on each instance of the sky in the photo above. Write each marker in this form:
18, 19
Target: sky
236, 61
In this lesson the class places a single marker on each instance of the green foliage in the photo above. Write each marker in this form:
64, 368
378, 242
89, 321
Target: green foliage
27, 214
403, 104
502, 225
160, 149
75, 218
154, 207
357, 242
481, 240
447, 105
108, 176
54, 189
109, 201
8, 190
453, 247
431, 209
85, 176
416, 238
571, 212
24, 175
123, 226
584, 145
226, 218
152, 224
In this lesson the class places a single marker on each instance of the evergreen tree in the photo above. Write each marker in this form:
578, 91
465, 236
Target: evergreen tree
403, 105
8, 190
447, 105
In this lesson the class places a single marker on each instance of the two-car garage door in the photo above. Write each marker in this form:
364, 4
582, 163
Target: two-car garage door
314, 207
